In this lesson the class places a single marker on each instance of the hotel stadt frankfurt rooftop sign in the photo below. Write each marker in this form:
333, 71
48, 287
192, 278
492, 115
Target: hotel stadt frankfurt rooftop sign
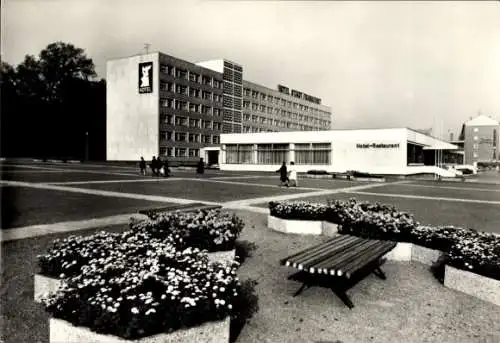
146, 77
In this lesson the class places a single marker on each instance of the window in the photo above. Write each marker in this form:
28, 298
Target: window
167, 119
262, 96
166, 86
217, 126
254, 118
246, 92
194, 138
165, 135
194, 122
272, 153
163, 151
181, 121
246, 129
217, 112
315, 153
180, 136
194, 108
170, 152
194, 77
217, 98
255, 94
181, 105
207, 124
269, 110
193, 92
194, 152
207, 80
246, 104
207, 139
180, 152
206, 95
206, 109
262, 108
255, 106
239, 153
270, 98
168, 103
181, 74
215, 140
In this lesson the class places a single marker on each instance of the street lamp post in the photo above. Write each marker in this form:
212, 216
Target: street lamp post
86, 146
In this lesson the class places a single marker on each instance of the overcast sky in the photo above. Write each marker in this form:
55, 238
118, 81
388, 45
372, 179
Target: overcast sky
377, 64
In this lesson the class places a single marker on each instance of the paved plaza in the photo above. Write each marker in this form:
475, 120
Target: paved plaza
44, 201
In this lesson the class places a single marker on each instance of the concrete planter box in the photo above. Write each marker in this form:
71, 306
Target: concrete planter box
476, 285
222, 256
424, 255
302, 227
44, 285
329, 229
408, 252
212, 332
402, 253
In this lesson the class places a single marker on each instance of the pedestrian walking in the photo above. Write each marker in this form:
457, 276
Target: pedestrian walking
292, 175
154, 166
142, 166
283, 174
166, 168
200, 169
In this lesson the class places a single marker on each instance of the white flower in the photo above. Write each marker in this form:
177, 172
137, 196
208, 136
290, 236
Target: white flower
134, 310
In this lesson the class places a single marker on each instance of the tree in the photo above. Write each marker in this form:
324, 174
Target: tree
61, 63
46, 100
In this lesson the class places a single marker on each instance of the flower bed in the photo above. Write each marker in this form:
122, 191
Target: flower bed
144, 289
210, 230
470, 250
206, 230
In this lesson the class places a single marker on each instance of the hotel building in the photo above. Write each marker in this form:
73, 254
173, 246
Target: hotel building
160, 105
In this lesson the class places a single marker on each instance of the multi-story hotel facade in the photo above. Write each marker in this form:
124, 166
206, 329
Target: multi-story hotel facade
160, 105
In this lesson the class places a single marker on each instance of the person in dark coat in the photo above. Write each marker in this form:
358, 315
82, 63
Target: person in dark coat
200, 169
154, 166
166, 169
142, 166
283, 174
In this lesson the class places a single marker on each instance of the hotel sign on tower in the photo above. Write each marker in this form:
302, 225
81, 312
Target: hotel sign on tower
146, 77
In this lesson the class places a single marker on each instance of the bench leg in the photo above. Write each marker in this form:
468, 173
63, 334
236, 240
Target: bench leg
343, 296
377, 271
301, 289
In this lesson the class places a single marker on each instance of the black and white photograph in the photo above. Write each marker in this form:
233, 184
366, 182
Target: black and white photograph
239, 171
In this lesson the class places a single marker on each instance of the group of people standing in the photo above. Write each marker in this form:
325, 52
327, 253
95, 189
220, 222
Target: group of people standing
288, 176
158, 167
161, 168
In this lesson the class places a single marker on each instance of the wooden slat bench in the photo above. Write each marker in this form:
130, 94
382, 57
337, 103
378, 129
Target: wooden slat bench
338, 264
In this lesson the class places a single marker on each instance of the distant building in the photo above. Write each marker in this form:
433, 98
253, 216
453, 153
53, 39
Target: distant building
160, 105
479, 139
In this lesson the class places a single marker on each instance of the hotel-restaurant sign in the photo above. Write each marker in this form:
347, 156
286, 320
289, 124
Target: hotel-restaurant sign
377, 145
